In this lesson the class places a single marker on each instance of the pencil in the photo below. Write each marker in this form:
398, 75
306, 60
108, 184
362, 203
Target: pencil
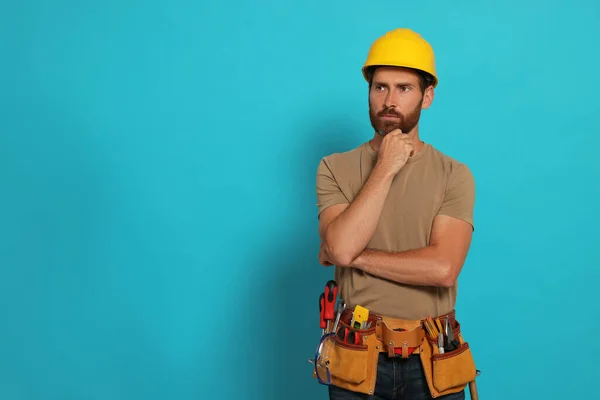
431, 327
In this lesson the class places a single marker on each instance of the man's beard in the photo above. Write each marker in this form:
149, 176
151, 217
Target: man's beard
406, 123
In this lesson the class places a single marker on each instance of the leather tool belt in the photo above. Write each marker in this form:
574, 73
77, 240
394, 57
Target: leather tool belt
349, 357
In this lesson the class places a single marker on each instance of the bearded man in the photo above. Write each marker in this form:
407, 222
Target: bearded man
396, 221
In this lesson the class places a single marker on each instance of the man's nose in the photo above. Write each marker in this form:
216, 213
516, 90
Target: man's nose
390, 100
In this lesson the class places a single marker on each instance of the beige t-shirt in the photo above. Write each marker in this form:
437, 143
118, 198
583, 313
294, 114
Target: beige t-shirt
430, 184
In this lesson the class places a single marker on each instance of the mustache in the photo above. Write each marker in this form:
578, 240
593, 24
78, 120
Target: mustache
389, 113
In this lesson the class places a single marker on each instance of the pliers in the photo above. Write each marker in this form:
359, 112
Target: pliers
348, 335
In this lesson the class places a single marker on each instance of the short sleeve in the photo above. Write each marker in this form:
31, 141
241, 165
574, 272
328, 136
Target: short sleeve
459, 200
328, 190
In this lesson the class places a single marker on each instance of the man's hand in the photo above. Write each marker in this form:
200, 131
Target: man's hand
323, 258
346, 229
395, 150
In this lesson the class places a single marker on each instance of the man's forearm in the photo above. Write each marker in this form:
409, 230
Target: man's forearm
349, 233
419, 267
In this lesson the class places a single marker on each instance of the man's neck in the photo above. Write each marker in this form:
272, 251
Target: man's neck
417, 143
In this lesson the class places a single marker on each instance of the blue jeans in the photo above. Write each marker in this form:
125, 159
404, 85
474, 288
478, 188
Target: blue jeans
397, 378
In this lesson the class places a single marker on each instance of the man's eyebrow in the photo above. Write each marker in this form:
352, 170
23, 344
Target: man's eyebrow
399, 84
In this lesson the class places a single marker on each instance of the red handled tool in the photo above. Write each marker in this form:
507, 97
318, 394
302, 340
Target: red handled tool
322, 322
348, 335
331, 290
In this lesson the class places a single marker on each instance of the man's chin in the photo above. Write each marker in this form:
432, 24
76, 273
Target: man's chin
384, 130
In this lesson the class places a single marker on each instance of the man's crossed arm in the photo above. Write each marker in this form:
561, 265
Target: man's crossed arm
437, 264
346, 229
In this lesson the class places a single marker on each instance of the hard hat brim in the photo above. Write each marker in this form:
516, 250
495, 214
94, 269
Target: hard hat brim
366, 68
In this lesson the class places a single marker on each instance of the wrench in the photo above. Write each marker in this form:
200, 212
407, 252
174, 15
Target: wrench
341, 306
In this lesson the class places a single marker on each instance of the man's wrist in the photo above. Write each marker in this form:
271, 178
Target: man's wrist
383, 173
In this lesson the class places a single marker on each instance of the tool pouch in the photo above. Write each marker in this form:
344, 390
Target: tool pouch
451, 371
351, 366
399, 341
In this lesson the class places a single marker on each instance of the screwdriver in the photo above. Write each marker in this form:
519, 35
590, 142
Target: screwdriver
331, 290
322, 322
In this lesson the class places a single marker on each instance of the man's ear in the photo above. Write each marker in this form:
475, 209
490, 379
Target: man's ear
428, 97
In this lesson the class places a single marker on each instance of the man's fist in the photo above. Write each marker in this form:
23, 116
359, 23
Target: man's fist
395, 150
323, 258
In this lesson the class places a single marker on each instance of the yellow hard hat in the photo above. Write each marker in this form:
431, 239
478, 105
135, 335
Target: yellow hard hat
401, 47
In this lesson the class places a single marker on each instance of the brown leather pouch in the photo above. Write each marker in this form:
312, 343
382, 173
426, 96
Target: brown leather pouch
451, 371
349, 365
399, 341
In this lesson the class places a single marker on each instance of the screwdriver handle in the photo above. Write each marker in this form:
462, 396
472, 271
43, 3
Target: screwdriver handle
322, 322
331, 290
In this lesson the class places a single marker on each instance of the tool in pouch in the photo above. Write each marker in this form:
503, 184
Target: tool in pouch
328, 309
347, 357
331, 289
347, 352
340, 308
447, 359
322, 322
327, 300
360, 315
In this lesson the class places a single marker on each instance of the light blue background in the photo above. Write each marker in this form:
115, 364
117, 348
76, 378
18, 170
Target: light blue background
157, 217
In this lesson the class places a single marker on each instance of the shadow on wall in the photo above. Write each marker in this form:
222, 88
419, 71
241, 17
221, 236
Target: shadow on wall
295, 280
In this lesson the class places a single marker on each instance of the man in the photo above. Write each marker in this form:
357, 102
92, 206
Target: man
395, 213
